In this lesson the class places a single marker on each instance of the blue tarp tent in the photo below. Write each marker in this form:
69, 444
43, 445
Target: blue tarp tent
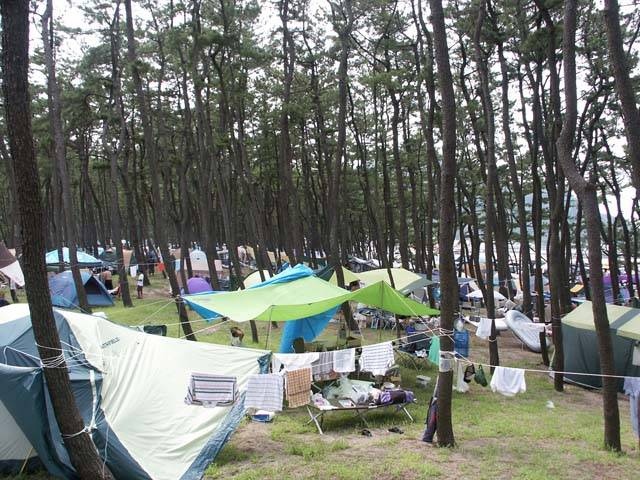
64, 294
84, 259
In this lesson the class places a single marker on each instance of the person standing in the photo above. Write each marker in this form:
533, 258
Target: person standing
107, 279
13, 288
140, 284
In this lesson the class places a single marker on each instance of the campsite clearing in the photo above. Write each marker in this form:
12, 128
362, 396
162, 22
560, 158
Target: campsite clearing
497, 437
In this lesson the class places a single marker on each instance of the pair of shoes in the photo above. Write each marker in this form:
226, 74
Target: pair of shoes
366, 433
395, 430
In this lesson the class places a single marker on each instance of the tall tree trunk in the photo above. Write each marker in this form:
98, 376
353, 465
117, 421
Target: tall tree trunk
624, 87
586, 192
288, 208
15, 86
448, 281
159, 210
525, 258
60, 159
113, 153
492, 179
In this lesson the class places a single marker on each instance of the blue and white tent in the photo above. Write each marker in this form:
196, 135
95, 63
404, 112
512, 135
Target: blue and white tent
130, 389
65, 295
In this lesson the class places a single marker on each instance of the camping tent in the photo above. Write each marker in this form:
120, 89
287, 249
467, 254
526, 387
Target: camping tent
84, 259
404, 280
109, 258
64, 294
9, 265
199, 263
255, 278
580, 343
477, 294
130, 388
198, 285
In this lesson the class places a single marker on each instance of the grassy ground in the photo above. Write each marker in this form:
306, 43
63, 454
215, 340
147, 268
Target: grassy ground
497, 437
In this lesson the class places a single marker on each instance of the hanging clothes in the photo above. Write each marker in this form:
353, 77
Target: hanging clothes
298, 387
508, 381
323, 366
292, 361
434, 351
264, 392
484, 328
344, 361
632, 388
377, 358
210, 390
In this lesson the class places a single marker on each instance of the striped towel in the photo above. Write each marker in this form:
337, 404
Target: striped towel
210, 390
264, 392
377, 358
323, 366
298, 387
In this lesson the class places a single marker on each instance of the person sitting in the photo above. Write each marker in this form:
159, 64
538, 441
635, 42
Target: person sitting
236, 337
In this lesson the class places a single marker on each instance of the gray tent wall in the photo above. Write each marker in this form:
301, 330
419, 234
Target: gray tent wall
581, 355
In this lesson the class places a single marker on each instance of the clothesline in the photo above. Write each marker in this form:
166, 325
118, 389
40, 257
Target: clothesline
548, 371
77, 352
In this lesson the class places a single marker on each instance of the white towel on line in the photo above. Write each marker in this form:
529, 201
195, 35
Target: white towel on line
293, 361
344, 361
484, 328
508, 381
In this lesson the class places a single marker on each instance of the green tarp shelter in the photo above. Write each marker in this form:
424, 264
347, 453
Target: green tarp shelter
581, 344
404, 280
300, 299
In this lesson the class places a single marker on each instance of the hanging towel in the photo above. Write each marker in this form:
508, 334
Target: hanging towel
264, 392
484, 328
292, 361
434, 351
377, 358
632, 388
323, 366
298, 387
344, 361
508, 381
211, 390
635, 360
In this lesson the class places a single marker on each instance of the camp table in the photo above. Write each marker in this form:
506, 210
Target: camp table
359, 410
